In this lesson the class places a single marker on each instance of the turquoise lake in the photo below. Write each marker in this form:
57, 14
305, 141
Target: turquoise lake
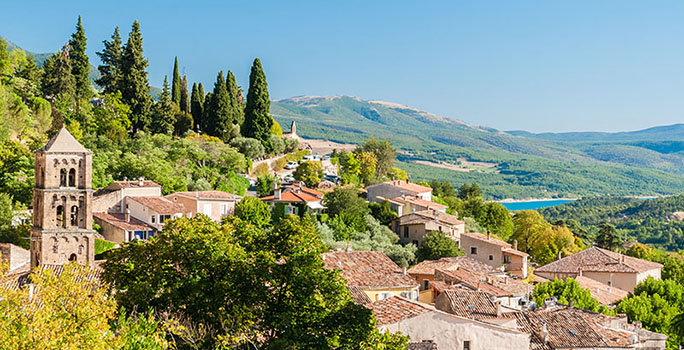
534, 204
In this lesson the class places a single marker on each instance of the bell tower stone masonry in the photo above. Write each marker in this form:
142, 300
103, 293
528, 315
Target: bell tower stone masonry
62, 203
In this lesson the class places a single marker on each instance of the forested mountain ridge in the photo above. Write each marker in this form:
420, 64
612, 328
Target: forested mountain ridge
506, 165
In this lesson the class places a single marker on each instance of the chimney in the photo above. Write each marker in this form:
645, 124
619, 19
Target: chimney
127, 216
580, 272
31, 291
499, 310
619, 258
559, 255
141, 181
349, 248
515, 244
405, 271
276, 193
489, 235
544, 333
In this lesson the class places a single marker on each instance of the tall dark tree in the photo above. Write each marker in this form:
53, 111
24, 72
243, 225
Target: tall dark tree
176, 84
30, 70
236, 106
163, 116
80, 68
608, 237
208, 100
220, 122
57, 77
110, 69
196, 106
184, 99
258, 121
135, 88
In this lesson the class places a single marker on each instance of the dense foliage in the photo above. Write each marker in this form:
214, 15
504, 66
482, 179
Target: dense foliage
437, 245
566, 291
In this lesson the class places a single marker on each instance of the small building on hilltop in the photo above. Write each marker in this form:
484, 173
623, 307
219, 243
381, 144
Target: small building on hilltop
404, 205
295, 199
412, 228
373, 272
214, 204
610, 268
110, 199
397, 188
495, 252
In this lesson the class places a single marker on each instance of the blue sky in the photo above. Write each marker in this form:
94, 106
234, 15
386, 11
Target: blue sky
532, 65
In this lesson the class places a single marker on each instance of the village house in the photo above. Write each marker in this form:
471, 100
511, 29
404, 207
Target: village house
510, 292
295, 199
412, 228
424, 271
495, 252
119, 228
603, 293
605, 266
214, 204
408, 204
397, 188
111, 199
424, 323
373, 272
17, 257
153, 211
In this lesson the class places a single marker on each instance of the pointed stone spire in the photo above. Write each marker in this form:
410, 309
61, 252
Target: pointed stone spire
63, 141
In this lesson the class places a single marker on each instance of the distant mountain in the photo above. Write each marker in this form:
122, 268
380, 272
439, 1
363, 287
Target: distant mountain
658, 133
507, 164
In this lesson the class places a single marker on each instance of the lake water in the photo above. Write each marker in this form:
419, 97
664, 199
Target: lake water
513, 206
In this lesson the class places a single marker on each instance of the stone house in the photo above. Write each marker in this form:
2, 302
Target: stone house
153, 211
16, 256
111, 199
408, 204
425, 323
412, 228
214, 204
603, 293
397, 188
373, 272
508, 291
605, 266
495, 252
119, 228
295, 199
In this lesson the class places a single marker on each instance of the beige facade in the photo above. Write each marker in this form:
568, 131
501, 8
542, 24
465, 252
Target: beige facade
622, 280
119, 228
148, 214
111, 198
62, 203
376, 294
415, 233
214, 206
495, 253
397, 188
16, 256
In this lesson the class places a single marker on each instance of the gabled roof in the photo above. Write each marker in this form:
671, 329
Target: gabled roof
368, 269
604, 293
62, 142
159, 204
292, 194
429, 215
359, 296
596, 259
119, 220
405, 185
413, 200
208, 195
428, 267
493, 285
470, 304
505, 247
395, 309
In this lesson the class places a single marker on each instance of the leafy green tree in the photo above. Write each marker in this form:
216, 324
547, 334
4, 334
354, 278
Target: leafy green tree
264, 185
437, 245
16, 171
368, 164
30, 71
135, 88
219, 111
80, 67
9, 232
496, 218
110, 69
5, 65
542, 240
442, 189
566, 291
196, 106
258, 121
310, 172
609, 237
184, 99
57, 77
163, 116
251, 148
345, 199
467, 191
382, 212
385, 154
254, 211
111, 120
237, 109
176, 84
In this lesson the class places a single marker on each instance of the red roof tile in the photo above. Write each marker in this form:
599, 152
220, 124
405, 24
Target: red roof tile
596, 259
427, 267
119, 220
206, 195
159, 204
368, 269
359, 296
395, 309
295, 194
604, 293
408, 186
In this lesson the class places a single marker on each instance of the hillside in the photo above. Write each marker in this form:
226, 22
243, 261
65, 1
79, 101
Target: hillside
506, 165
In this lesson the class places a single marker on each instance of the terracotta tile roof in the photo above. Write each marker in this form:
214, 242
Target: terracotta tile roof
395, 309
604, 293
428, 216
471, 304
419, 202
133, 183
405, 185
305, 189
295, 194
483, 237
473, 281
159, 204
19, 280
595, 259
206, 195
359, 296
368, 269
439, 286
119, 220
427, 267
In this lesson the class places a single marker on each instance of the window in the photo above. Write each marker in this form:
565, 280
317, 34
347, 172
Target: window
426, 284
74, 215
507, 259
72, 178
473, 250
491, 257
153, 218
610, 283
415, 242
406, 231
60, 216
384, 295
224, 209
466, 345
163, 218
206, 209
440, 229
62, 177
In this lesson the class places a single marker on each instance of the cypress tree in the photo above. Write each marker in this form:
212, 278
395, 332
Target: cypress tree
196, 107
135, 88
163, 118
57, 78
220, 122
184, 100
258, 122
200, 89
207, 115
110, 69
176, 84
236, 108
80, 68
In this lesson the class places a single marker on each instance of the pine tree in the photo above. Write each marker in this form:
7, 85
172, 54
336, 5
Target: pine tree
220, 122
80, 68
184, 100
236, 107
30, 70
135, 88
110, 70
196, 107
57, 78
258, 122
163, 117
176, 84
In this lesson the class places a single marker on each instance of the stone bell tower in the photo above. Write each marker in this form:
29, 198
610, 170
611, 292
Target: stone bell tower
62, 203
